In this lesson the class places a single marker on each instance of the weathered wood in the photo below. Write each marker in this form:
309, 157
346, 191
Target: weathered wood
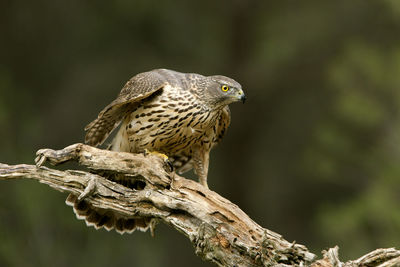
219, 230
378, 258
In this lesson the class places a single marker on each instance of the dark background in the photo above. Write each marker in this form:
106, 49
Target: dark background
313, 154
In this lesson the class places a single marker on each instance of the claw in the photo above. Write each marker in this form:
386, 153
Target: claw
170, 165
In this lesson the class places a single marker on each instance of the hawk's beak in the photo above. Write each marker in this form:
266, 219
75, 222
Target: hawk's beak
241, 96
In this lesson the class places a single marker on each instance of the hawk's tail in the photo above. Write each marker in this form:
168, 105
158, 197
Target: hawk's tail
99, 218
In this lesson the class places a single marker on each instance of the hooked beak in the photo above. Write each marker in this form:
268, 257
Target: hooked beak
242, 96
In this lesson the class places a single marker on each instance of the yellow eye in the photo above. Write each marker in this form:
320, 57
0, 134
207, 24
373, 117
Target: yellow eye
225, 88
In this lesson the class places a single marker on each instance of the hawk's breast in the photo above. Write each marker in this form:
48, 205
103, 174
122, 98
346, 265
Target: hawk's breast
172, 123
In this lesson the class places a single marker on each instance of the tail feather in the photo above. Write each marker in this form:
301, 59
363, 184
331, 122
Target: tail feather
99, 218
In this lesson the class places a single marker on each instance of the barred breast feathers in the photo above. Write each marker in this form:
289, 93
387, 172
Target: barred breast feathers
168, 123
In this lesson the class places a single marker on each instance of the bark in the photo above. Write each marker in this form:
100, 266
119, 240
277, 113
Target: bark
218, 229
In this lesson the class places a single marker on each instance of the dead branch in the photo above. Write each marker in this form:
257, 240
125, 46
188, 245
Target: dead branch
219, 230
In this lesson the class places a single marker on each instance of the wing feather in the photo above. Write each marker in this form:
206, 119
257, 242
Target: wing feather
136, 89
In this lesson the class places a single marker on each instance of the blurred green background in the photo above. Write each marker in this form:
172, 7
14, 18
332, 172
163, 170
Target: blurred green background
313, 154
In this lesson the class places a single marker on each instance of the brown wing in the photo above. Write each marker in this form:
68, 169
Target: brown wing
137, 88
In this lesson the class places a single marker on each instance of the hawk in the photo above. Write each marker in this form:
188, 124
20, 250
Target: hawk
181, 115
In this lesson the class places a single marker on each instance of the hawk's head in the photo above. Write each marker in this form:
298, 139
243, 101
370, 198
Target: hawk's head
222, 91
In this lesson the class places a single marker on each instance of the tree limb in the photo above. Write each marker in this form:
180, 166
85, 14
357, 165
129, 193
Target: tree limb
219, 230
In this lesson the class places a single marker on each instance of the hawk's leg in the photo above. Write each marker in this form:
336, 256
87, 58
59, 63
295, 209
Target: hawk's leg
201, 159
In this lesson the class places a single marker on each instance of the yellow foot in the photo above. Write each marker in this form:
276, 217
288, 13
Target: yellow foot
161, 155
169, 167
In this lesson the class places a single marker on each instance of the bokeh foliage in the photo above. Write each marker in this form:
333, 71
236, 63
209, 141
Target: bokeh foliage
313, 154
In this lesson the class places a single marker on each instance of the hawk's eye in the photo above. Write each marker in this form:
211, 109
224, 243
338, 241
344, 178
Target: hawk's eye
225, 88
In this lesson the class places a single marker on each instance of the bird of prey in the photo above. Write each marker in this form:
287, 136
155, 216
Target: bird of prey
180, 115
